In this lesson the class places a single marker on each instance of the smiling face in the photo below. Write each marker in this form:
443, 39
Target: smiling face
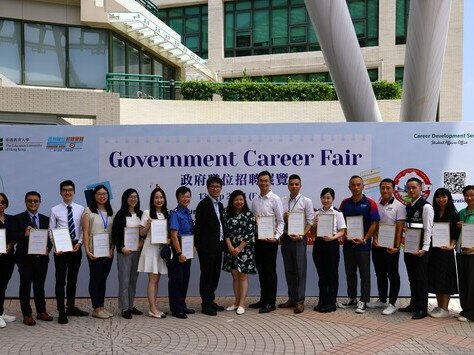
238, 203
442, 200
184, 199
158, 200
3, 204
356, 185
214, 190
469, 198
101, 197
67, 193
132, 200
413, 190
264, 184
294, 186
32, 203
386, 191
326, 201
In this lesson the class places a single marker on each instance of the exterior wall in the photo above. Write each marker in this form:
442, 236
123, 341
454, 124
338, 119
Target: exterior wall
62, 12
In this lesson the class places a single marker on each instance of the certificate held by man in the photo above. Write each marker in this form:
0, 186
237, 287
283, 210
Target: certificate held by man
355, 227
467, 236
296, 222
325, 225
386, 235
412, 240
38, 242
441, 234
62, 240
187, 246
266, 227
101, 245
159, 231
3, 241
131, 238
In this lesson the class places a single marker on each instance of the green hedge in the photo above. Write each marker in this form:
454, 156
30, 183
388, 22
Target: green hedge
248, 90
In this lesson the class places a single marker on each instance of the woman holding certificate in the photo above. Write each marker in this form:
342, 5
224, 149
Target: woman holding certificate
240, 227
7, 259
465, 257
125, 235
96, 228
150, 259
442, 279
329, 228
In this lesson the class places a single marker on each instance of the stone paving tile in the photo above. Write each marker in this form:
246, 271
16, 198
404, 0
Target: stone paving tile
280, 332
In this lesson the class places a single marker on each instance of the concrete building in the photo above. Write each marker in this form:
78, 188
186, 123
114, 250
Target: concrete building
57, 56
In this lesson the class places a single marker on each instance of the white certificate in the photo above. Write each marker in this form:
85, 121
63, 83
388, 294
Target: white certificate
266, 227
38, 241
440, 234
412, 240
159, 231
386, 235
62, 239
130, 238
101, 247
3, 241
467, 236
355, 227
325, 225
187, 246
296, 223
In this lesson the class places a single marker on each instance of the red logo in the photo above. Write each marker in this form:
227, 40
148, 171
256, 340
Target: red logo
401, 179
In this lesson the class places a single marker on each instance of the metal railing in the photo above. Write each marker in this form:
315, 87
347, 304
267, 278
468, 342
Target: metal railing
149, 5
141, 86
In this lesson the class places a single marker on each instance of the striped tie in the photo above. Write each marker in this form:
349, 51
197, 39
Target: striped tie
70, 223
35, 221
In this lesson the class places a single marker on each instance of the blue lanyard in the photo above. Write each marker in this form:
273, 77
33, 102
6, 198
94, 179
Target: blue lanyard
105, 220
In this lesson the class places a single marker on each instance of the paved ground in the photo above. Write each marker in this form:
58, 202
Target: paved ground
279, 332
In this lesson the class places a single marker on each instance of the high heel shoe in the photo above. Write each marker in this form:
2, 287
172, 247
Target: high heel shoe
156, 315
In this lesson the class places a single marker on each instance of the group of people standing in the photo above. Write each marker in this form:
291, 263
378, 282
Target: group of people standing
227, 239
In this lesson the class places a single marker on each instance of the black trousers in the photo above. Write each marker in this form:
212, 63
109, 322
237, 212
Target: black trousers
33, 273
7, 264
386, 268
417, 269
294, 260
265, 261
99, 270
178, 282
466, 284
67, 267
326, 257
210, 264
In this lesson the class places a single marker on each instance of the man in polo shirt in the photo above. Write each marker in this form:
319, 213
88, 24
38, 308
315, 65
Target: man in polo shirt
357, 248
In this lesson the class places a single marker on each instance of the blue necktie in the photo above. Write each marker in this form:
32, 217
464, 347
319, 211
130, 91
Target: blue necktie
35, 221
70, 223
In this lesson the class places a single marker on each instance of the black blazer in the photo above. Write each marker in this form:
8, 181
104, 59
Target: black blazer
22, 221
206, 227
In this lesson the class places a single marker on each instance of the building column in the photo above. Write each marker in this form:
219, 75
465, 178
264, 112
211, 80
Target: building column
333, 25
215, 18
426, 43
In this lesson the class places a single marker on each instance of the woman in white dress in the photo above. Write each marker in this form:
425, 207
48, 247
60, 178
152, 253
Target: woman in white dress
150, 258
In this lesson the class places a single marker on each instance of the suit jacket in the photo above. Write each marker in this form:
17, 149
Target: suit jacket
22, 221
207, 227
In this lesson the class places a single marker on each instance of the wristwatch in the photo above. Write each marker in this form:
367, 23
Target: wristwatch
179, 254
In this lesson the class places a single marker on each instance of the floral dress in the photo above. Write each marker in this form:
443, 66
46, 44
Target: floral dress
241, 228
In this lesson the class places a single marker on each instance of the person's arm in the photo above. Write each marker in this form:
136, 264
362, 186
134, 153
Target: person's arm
85, 233
118, 233
280, 222
428, 217
177, 246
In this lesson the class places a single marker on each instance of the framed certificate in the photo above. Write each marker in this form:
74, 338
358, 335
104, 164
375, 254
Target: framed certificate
101, 245
266, 227
38, 242
386, 235
325, 225
355, 227
467, 235
3, 241
412, 240
62, 239
130, 238
441, 234
159, 231
187, 246
296, 222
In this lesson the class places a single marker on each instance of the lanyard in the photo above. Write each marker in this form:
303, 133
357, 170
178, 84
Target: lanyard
105, 220
289, 200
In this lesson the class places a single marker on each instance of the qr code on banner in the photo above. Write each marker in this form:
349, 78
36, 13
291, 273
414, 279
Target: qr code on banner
454, 181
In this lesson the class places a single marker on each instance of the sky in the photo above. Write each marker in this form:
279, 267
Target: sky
468, 62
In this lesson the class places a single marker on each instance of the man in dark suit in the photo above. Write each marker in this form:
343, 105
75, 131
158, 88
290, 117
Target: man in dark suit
32, 267
209, 242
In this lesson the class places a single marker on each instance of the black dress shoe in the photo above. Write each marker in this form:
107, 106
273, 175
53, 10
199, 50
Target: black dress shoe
180, 315
408, 308
258, 304
328, 309
210, 311
127, 314
217, 307
62, 319
189, 311
318, 307
419, 315
267, 308
135, 311
287, 304
76, 312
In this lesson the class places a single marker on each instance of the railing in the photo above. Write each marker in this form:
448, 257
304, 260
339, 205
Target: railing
141, 86
149, 5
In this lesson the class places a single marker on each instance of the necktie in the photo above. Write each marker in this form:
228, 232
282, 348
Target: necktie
70, 223
35, 221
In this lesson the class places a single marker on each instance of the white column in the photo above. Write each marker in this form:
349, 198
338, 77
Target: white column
333, 25
426, 42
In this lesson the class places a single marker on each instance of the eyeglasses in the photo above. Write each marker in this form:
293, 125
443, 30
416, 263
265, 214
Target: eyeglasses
101, 194
133, 197
32, 201
215, 187
67, 189
3, 202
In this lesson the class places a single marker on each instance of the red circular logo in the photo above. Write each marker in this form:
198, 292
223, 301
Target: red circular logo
401, 179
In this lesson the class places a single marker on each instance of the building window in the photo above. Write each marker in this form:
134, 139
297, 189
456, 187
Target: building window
88, 57
399, 74
10, 47
258, 27
191, 23
45, 54
403, 7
